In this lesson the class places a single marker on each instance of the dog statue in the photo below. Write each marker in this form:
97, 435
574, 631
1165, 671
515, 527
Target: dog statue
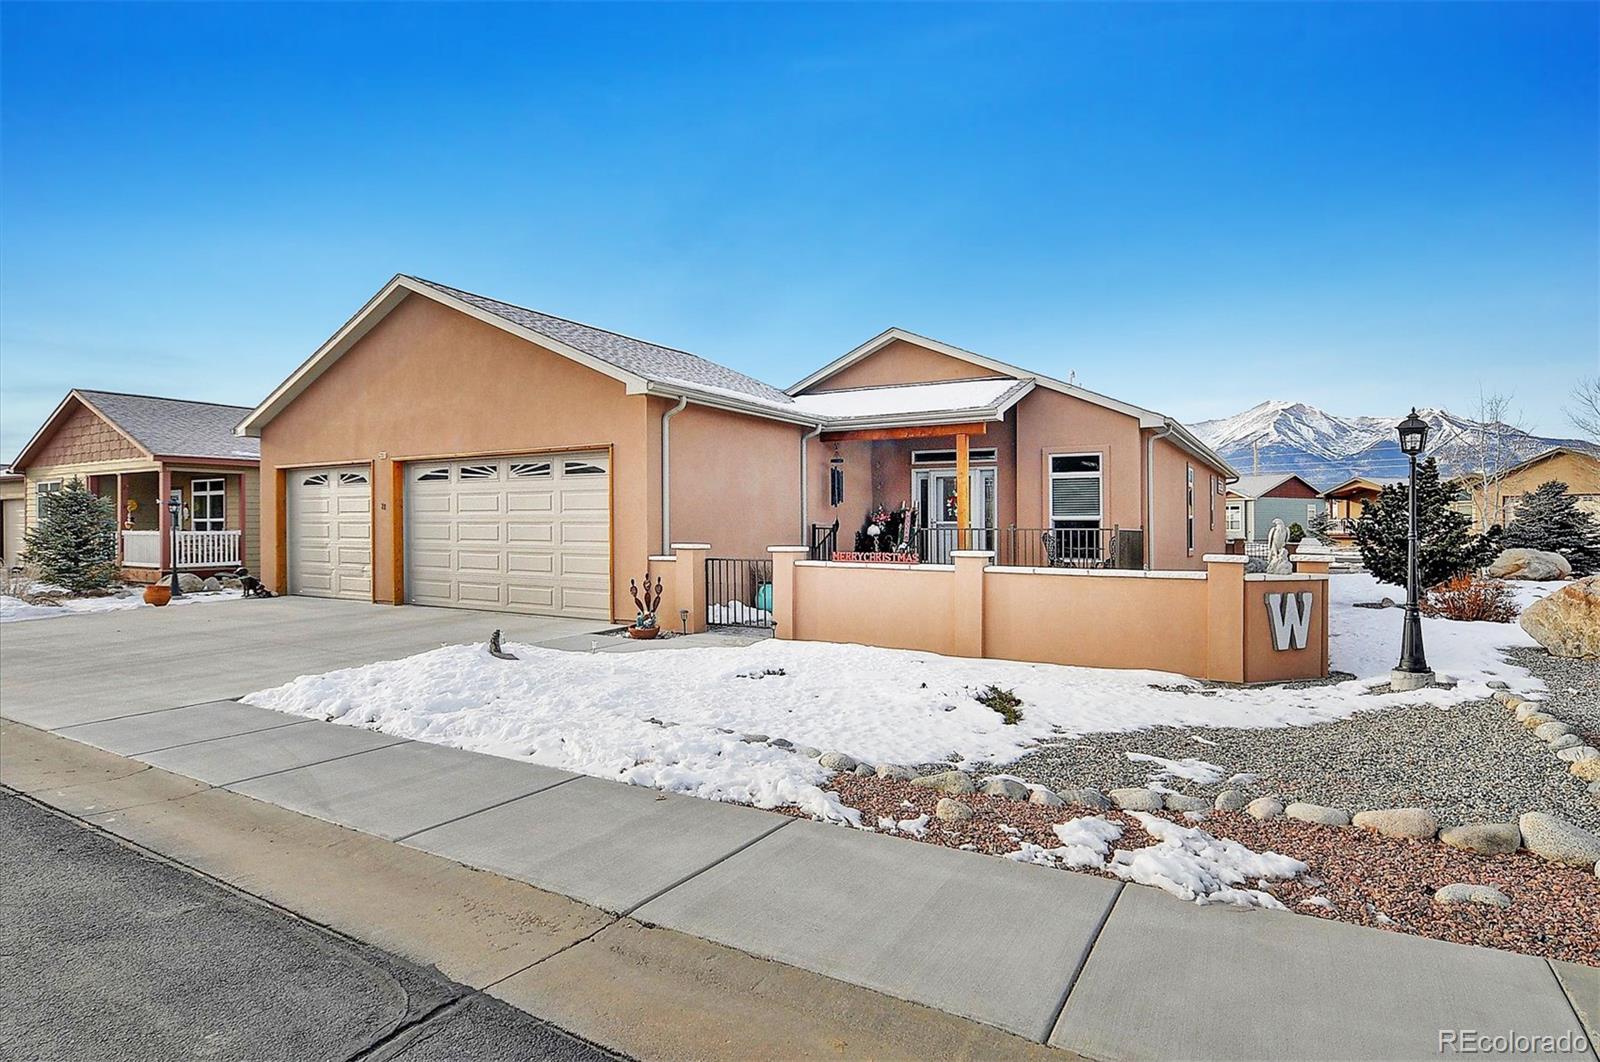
252, 585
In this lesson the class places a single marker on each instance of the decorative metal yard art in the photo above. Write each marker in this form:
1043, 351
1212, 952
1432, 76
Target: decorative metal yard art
495, 650
644, 624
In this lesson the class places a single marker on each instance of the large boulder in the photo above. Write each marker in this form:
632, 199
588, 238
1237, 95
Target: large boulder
1416, 824
1528, 564
1558, 840
954, 783
1567, 622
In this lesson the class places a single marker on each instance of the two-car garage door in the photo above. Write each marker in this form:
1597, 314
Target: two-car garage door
513, 534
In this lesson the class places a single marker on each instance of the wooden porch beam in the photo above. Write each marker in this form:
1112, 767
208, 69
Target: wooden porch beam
963, 484
920, 431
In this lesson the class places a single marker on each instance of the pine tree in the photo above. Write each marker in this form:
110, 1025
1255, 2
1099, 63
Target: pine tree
1320, 526
1549, 519
74, 543
1446, 546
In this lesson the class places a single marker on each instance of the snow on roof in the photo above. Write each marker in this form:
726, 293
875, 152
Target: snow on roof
951, 396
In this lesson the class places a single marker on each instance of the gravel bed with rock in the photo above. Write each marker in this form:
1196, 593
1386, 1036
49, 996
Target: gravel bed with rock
1468, 763
1573, 685
1355, 875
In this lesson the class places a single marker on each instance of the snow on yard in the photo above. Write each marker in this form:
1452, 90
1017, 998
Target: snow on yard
675, 720
1185, 860
14, 609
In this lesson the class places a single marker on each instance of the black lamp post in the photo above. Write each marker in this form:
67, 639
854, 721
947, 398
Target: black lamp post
1412, 672
175, 509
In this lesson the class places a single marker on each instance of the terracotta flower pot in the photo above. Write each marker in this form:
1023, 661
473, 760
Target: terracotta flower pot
643, 633
155, 594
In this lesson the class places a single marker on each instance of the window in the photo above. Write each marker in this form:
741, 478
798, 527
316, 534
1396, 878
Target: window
1212, 494
349, 478
433, 475
948, 457
1075, 490
49, 487
531, 470
208, 505
480, 471
581, 468
318, 480
1235, 521
1189, 495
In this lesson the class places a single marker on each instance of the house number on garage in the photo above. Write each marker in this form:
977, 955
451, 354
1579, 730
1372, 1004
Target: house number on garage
1290, 615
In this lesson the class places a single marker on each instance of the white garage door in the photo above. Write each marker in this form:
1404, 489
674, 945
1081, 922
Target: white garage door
330, 532
515, 534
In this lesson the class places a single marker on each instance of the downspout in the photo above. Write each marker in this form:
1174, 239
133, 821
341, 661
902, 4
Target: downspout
1150, 494
666, 472
805, 483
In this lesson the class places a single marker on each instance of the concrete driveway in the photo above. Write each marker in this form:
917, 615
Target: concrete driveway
82, 669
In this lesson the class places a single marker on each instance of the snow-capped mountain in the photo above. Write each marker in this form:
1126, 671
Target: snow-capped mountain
1327, 450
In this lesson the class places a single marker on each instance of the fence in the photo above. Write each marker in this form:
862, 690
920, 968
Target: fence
1035, 547
196, 549
738, 592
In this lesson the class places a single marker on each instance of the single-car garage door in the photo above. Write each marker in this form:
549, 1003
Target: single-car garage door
330, 532
515, 534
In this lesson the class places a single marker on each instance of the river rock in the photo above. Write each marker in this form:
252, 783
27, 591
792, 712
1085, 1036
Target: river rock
1136, 799
1318, 813
1551, 731
1567, 622
211, 585
865, 770
1264, 808
1558, 840
1575, 753
1534, 564
1230, 800
1484, 838
956, 783
1182, 802
1088, 796
1538, 719
1005, 787
948, 810
1463, 893
1416, 824
1045, 798
1524, 709
1569, 741
837, 761
894, 772
1586, 770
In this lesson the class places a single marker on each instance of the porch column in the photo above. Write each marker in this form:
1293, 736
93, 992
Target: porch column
164, 515
244, 529
121, 515
963, 490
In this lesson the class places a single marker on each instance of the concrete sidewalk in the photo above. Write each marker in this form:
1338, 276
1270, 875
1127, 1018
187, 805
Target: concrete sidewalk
1074, 961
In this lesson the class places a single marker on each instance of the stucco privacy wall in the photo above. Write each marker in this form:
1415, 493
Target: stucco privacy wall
900, 362
1211, 624
429, 382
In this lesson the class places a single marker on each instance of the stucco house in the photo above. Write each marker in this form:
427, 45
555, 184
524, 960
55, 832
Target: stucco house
444, 448
140, 450
1578, 469
1255, 501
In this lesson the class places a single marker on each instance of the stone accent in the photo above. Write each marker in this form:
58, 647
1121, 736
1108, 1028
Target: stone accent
1558, 840
1415, 824
1317, 813
948, 810
1137, 799
1484, 838
956, 783
1264, 808
1567, 622
1462, 893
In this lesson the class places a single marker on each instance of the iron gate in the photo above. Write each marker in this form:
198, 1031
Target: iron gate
739, 592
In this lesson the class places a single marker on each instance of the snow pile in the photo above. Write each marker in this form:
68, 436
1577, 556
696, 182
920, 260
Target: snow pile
14, 609
737, 612
1185, 861
1198, 771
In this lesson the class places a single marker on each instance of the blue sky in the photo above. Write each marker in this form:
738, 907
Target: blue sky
1192, 207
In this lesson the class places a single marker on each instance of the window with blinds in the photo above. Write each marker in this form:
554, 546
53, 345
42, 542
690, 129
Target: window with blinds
1075, 490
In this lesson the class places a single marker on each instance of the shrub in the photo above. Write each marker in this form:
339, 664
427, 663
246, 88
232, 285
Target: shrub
1469, 597
1446, 545
1296, 532
1549, 519
1006, 702
74, 544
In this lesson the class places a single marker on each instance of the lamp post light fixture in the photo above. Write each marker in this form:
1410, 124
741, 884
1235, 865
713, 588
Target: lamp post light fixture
1412, 672
175, 510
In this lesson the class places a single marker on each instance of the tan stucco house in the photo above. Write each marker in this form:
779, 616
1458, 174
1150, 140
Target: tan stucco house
140, 450
444, 448
1578, 469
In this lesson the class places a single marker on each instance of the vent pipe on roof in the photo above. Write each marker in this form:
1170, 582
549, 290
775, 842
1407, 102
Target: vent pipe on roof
666, 473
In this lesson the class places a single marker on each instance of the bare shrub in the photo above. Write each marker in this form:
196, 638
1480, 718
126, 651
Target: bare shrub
1470, 597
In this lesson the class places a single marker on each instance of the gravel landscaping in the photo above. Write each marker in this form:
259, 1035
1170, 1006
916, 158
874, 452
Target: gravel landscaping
1354, 875
1467, 763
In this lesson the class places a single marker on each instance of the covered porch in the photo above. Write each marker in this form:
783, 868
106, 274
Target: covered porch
211, 526
925, 492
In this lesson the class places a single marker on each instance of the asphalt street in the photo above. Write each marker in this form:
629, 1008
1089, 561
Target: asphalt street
106, 953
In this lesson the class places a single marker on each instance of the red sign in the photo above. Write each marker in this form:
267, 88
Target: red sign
847, 557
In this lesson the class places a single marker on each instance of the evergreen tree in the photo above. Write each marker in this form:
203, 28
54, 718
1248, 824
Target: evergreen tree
1320, 526
1446, 546
1549, 519
74, 544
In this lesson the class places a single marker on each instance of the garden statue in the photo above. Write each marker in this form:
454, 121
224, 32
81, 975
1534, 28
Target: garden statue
1278, 550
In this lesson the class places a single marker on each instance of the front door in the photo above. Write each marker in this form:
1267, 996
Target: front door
935, 491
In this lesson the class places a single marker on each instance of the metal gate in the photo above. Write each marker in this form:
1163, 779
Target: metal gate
739, 592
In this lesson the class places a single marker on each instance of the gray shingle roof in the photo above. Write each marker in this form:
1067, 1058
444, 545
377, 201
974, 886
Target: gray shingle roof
1256, 486
649, 360
174, 427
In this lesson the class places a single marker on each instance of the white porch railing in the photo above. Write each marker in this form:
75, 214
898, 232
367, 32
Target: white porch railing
196, 549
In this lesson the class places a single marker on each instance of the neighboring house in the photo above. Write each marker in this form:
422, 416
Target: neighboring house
444, 448
13, 503
1255, 501
1578, 469
139, 451
1348, 501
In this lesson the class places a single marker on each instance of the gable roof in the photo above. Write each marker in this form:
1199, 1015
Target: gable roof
899, 404
649, 368
1554, 451
161, 427
1256, 486
1361, 481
